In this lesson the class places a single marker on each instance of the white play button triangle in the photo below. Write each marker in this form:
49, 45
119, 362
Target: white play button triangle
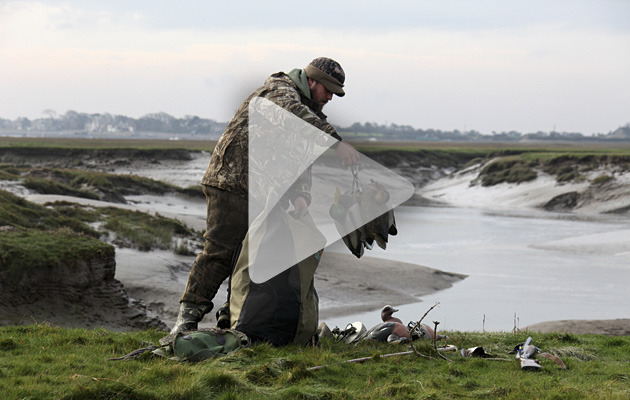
285, 151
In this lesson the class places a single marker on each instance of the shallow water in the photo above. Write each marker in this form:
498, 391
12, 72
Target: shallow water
182, 173
511, 282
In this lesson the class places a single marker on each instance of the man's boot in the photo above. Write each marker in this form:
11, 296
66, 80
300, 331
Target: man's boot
189, 316
223, 316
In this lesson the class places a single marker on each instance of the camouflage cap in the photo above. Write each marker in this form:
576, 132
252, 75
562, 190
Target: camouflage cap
329, 73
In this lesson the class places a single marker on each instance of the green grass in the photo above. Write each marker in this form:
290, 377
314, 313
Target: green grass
98, 185
569, 166
8, 172
20, 213
49, 186
362, 145
602, 179
41, 361
24, 251
143, 231
510, 169
43, 237
79, 143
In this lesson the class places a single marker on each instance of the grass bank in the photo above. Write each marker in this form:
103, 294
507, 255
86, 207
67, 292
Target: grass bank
45, 362
512, 162
34, 237
79, 143
95, 185
361, 145
23, 252
565, 167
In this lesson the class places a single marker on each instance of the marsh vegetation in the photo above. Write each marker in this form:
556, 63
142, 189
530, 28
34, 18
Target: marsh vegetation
41, 361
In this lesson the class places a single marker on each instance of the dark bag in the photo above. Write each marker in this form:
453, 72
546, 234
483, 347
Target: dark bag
284, 308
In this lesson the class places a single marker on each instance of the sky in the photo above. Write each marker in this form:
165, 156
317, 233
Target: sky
484, 65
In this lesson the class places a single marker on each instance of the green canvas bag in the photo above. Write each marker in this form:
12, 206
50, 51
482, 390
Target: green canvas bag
194, 346
200, 345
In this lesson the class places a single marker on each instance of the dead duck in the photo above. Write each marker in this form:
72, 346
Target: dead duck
374, 211
346, 214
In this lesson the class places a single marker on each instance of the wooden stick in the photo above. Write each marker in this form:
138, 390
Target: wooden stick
414, 328
404, 353
357, 360
436, 323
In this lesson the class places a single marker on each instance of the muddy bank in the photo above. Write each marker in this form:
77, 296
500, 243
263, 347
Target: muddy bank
345, 285
75, 157
608, 327
585, 196
85, 296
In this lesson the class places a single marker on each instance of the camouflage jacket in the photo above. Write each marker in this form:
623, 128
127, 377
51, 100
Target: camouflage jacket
228, 167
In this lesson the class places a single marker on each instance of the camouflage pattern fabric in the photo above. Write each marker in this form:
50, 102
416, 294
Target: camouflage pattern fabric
228, 167
226, 226
331, 68
225, 185
329, 73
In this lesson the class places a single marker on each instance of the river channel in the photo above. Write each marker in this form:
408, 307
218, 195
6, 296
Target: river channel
523, 267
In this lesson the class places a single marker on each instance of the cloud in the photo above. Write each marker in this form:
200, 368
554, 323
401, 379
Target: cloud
355, 14
496, 68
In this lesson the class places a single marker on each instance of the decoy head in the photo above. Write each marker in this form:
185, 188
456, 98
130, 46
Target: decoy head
387, 311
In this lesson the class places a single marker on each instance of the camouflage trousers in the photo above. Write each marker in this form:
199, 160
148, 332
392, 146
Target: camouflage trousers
226, 226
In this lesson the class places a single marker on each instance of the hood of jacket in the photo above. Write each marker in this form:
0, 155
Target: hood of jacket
298, 76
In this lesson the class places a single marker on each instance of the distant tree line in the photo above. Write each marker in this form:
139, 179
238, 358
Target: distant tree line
164, 123
370, 130
102, 123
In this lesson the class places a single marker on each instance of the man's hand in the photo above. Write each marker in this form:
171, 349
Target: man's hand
348, 154
300, 206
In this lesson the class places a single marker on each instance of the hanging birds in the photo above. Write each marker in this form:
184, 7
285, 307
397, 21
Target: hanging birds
362, 216
374, 210
346, 214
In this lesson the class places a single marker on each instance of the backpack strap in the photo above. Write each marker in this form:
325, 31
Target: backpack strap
134, 354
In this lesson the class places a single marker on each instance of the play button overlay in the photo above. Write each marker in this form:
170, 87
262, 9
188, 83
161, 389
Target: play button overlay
290, 158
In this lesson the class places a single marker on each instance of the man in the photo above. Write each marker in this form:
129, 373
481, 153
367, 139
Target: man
304, 93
